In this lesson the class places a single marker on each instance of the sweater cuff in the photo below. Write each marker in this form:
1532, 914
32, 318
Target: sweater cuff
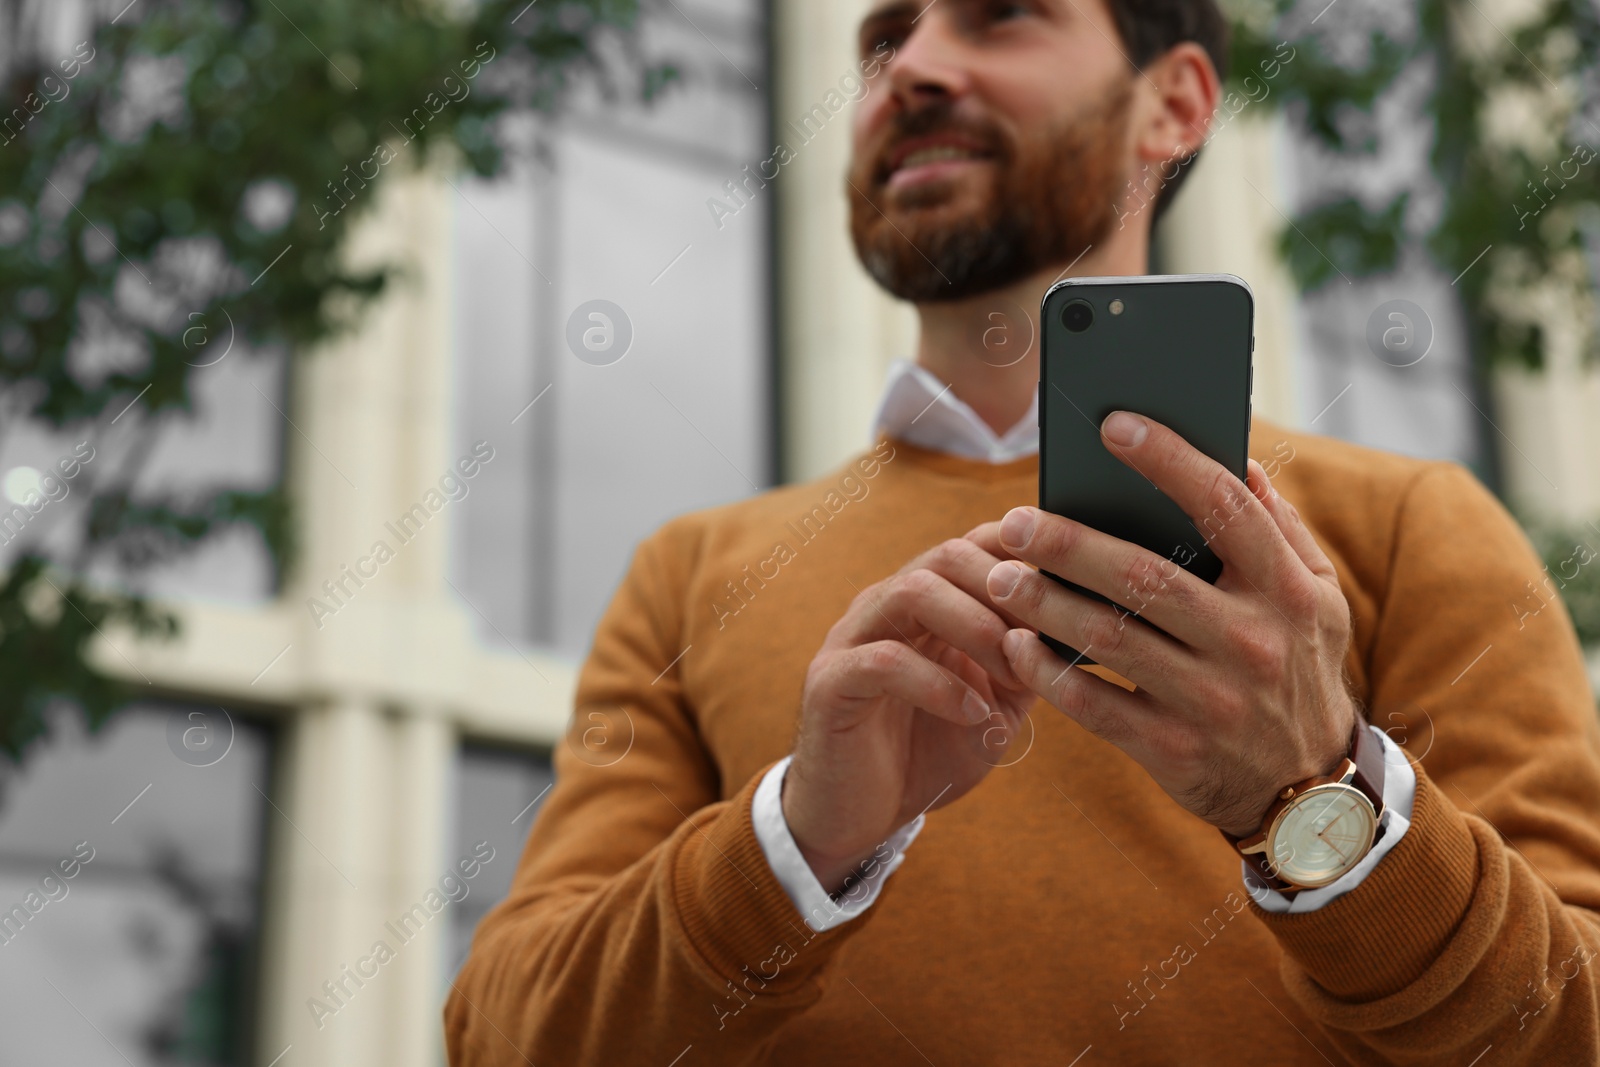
734, 911
1383, 935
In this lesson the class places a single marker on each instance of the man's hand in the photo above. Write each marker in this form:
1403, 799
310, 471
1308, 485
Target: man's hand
1242, 690
907, 705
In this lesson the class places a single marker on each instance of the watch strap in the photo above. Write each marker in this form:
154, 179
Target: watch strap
1367, 752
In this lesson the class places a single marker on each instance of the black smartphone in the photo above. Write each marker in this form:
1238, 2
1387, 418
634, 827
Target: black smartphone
1175, 348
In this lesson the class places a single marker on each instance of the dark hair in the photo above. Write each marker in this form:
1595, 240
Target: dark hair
1149, 29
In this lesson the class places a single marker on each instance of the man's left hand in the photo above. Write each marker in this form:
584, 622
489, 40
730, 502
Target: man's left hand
1241, 691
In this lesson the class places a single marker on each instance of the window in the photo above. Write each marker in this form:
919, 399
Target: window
591, 455
147, 951
500, 792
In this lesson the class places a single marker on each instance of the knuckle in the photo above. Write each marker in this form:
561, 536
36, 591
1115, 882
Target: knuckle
897, 595
1106, 631
948, 553
1258, 649
882, 658
1185, 747
1231, 492
1339, 623
919, 584
991, 628
827, 678
1221, 703
1067, 694
817, 674
1144, 579
1101, 721
1298, 593
867, 600
1225, 500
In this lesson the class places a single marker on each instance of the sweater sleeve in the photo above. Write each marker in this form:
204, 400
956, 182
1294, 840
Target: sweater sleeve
643, 918
1480, 928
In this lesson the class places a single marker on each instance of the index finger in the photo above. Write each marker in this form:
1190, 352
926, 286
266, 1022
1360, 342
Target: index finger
1229, 517
967, 560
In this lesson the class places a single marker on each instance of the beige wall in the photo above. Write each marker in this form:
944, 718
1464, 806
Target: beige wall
838, 330
1550, 426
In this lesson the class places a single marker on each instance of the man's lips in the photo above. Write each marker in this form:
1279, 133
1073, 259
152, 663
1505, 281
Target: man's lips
925, 158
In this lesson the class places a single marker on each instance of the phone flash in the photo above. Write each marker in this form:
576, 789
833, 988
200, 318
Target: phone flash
1116, 307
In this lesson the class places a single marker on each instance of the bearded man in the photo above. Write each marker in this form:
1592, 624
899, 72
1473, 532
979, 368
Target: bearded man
868, 817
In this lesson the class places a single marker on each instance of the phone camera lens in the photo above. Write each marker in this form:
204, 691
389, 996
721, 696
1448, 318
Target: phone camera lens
1077, 316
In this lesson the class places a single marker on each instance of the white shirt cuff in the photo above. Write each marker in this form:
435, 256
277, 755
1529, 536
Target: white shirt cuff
1399, 793
822, 912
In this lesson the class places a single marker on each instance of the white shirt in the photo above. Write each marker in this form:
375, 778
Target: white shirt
920, 409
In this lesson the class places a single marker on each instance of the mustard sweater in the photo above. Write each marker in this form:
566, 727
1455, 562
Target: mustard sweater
1066, 907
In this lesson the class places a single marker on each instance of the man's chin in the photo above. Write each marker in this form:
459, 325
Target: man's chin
929, 221
922, 261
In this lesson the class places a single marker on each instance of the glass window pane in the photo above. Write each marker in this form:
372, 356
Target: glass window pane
499, 793
147, 953
591, 455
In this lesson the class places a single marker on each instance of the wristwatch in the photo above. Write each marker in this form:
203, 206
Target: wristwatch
1316, 831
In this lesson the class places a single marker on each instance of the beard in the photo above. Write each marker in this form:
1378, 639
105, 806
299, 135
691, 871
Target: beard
1053, 195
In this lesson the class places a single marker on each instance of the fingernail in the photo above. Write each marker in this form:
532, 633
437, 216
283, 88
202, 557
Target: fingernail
1011, 643
1003, 578
1016, 528
974, 706
1124, 428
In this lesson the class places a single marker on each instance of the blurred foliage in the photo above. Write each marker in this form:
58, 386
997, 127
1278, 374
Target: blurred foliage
1508, 98
195, 167
1507, 95
1571, 557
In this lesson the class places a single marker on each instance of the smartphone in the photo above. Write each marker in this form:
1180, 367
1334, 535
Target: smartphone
1175, 348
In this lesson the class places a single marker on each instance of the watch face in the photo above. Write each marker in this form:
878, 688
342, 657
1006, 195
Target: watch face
1323, 834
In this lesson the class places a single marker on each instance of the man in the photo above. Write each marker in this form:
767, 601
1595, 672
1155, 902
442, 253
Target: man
827, 797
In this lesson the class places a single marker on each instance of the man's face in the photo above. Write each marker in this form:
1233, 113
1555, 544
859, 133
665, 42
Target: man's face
993, 145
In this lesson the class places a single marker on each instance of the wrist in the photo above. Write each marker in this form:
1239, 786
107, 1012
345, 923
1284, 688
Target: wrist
1322, 827
832, 873
833, 869
1320, 764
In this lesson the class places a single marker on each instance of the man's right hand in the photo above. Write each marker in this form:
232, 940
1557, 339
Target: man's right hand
906, 707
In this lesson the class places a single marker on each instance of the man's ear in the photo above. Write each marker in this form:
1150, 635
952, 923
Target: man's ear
1180, 92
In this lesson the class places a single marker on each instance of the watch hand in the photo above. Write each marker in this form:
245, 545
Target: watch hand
1342, 837
1335, 847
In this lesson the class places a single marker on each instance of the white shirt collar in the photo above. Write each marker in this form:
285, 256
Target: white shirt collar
921, 410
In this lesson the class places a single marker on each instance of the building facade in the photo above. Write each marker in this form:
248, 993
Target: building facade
624, 327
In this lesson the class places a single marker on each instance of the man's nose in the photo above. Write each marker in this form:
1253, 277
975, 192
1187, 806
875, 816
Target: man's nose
930, 65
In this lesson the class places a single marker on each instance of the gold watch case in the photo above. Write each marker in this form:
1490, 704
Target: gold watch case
1319, 835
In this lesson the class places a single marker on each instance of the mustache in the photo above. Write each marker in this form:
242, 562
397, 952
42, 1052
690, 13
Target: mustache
932, 119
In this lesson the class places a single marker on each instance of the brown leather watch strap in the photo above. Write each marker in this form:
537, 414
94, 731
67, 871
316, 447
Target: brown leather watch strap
1367, 751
